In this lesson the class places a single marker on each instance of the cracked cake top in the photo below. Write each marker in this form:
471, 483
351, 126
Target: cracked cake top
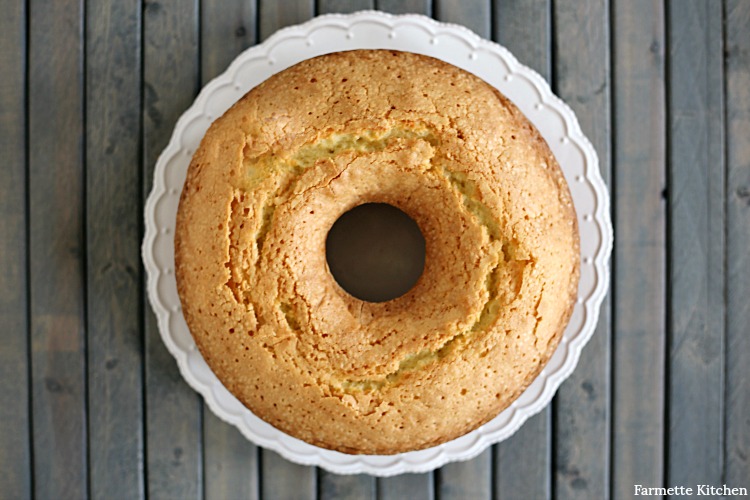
285, 162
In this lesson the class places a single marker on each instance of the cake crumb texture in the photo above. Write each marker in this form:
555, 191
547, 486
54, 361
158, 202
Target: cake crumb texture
502, 254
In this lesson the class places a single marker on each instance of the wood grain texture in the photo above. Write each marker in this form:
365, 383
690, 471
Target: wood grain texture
696, 236
469, 479
737, 395
113, 218
174, 451
582, 405
525, 28
661, 394
15, 450
343, 6
405, 6
57, 248
227, 28
275, 15
280, 478
345, 487
522, 463
411, 486
640, 270
474, 14
283, 479
231, 462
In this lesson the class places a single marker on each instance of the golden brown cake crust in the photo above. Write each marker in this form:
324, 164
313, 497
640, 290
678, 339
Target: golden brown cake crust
502, 261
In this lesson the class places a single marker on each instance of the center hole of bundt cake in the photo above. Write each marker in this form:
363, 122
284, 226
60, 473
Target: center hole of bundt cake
375, 252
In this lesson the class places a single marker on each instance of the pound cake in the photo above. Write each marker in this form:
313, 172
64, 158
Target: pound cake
275, 172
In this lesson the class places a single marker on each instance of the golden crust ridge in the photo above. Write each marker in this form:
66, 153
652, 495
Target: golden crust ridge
498, 288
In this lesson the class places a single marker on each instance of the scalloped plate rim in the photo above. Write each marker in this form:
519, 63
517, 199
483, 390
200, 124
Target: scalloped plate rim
399, 463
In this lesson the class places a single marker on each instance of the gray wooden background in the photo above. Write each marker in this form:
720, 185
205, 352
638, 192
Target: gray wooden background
91, 403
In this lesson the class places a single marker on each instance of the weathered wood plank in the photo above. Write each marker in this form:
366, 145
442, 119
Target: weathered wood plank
113, 219
411, 486
522, 465
473, 478
474, 14
696, 234
174, 448
227, 28
737, 399
275, 15
582, 406
350, 487
640, 267
57, 249
470, 479
231, 462
343, 6
283, 479
525, 28
15, 451
405, 6
280, 478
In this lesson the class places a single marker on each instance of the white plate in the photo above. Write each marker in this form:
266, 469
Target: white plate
453, 44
